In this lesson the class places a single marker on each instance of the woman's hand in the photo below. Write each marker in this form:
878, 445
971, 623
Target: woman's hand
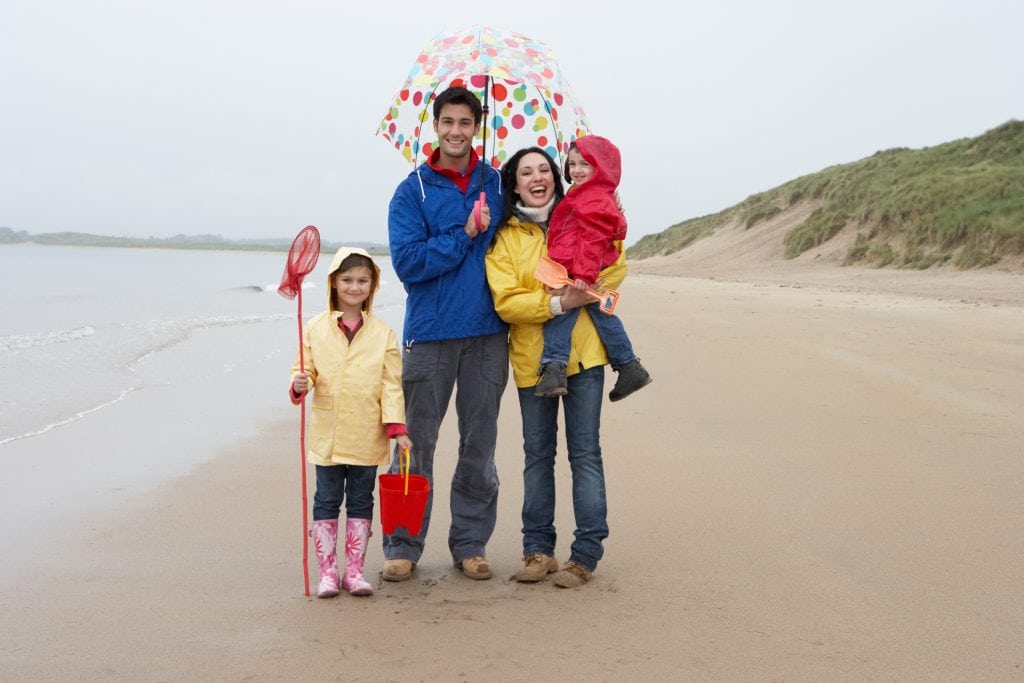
403, 442
300, 383
575, 296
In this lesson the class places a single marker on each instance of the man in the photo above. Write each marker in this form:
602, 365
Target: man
452, 335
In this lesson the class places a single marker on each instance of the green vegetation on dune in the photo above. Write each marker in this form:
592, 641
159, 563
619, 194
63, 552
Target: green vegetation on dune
676, 237
962, 201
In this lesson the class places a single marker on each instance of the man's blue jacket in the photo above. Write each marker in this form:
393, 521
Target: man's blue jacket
440, 266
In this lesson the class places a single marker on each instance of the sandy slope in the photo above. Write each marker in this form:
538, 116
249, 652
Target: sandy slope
824, 482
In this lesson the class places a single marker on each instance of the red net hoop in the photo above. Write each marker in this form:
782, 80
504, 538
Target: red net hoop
302, 258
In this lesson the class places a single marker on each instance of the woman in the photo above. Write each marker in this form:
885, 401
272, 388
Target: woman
532, 188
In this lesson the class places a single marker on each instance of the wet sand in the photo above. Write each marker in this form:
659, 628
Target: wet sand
824, 482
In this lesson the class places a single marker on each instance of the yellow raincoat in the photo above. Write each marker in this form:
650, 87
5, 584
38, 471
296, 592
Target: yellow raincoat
356, 387
523, 303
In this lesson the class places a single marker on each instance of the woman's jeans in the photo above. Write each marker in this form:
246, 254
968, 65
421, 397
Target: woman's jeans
334, 481
558, 336
582, 431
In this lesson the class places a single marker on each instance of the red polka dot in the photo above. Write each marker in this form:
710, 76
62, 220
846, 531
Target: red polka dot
542, 141
404, 95
502, 133
477, 81
518, 121
499, 91
417, 98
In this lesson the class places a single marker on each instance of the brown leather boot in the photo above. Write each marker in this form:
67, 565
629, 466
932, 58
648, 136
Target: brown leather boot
536, 567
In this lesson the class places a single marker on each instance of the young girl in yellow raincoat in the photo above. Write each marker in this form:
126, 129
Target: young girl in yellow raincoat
354, 368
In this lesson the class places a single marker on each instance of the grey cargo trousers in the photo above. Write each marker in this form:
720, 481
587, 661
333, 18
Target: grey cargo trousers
478, 367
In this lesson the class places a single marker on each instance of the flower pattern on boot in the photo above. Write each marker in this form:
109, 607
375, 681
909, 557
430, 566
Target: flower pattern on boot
325, 540
357, 533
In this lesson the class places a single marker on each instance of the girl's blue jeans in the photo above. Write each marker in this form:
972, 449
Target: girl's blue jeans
558, 336
350, 483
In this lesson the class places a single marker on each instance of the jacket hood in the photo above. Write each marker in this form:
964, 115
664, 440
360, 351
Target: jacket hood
343, 254
604, 157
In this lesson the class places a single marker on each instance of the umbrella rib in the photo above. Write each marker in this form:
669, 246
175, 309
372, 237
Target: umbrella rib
554, 124
426, 107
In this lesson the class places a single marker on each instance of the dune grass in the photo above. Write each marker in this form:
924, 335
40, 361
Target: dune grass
959, 202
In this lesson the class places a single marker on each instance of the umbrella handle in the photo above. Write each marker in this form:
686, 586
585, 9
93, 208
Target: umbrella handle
477, 208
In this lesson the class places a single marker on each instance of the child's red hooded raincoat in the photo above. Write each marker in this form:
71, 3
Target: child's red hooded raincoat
586, 224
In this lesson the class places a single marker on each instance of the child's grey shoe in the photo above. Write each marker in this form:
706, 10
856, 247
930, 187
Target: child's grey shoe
632, 377
552, 382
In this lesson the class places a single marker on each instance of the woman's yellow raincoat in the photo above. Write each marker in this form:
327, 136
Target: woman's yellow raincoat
524, 304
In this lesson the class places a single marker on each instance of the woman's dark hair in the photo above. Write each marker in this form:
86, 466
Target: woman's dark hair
508, 181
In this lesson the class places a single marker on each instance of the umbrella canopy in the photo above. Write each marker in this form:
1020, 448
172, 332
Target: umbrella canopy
531, 103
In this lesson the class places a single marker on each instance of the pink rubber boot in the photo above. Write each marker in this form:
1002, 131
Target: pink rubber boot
357, 533
325, 538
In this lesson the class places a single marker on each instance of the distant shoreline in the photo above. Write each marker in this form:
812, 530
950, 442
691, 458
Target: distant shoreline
187, 242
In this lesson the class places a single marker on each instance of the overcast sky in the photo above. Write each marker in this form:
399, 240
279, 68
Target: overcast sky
255, 118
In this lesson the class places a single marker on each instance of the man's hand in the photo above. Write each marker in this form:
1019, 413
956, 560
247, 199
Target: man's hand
485, 221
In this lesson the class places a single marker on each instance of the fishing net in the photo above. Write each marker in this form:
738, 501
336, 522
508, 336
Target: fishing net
302, 258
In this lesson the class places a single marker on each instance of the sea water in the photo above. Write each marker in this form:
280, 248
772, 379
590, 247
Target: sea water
120, 368
79, 323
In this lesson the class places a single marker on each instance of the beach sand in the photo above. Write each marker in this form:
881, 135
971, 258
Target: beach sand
824, 482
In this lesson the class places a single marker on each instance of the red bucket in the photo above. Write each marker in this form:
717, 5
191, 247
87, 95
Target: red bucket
403, 499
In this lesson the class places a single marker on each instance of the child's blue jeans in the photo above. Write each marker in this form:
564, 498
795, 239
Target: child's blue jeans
333, 482
558, 336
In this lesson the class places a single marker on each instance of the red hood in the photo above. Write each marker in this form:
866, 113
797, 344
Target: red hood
604, 157
585, 226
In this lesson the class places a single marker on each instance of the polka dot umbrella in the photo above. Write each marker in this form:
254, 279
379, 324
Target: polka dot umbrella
528, 100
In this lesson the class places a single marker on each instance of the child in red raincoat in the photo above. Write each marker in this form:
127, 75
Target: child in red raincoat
583, 233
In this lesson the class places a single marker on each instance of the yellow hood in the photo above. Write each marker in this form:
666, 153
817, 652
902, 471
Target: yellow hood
342, 254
